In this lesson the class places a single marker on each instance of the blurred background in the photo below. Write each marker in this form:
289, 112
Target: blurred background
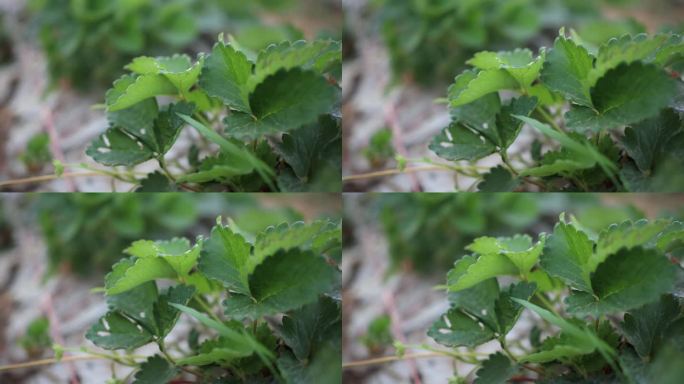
58, 57
398, 247
402, 55
55, 248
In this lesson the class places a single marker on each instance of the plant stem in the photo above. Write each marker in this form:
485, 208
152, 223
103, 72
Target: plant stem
206, 307
388, 359
162, 164
546, 302
162, 349
549, 119
504, 157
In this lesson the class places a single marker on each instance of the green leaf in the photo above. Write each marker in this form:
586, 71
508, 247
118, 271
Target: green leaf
497, 369
519, 249
626, 235
626, 280
165, 314
272, 291
225, 257
646, 328
232, 150
562, 348
225, 75
567, 70
219, 351
142, 88
471, 270
566, 256
507, 125
136, 272
627, 94
455, 329
156, 370
114, 331
573, 341
178, 69
624, 50
651, 141
177, 252
561, 162
313, 55
499, 179
480, 84
168, 126
313, 150
316, 236
283, 102
459, 143
116, 148
238, 340
583, 151
308, 329
479, 313
520, 64
220, 169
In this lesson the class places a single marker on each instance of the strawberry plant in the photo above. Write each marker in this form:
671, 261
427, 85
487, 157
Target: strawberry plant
88, 41
274, 119
265, 309
610, 119
601, 306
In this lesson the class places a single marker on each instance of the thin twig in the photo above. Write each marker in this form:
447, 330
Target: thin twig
387, 359
37, 179
38, 363
55, 144
393, 121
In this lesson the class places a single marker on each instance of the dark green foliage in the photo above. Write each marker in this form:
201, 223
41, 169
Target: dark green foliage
622, 270
280, 320
628, 84
274, 116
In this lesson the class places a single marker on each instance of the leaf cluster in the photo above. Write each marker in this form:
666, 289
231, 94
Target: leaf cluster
621, 280
428, 39
265, 309
87, 42
274, 118
609, 119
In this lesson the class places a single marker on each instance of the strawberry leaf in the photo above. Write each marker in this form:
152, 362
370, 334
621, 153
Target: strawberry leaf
497, 369
273, 291
225, 75
626, 280
283, 102
627, 94
567, 70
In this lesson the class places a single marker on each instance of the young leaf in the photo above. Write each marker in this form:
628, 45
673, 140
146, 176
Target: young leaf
567, 70
566, 255
225, 75
225, 257
473, 270
142, 88
136, 272
480, 84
